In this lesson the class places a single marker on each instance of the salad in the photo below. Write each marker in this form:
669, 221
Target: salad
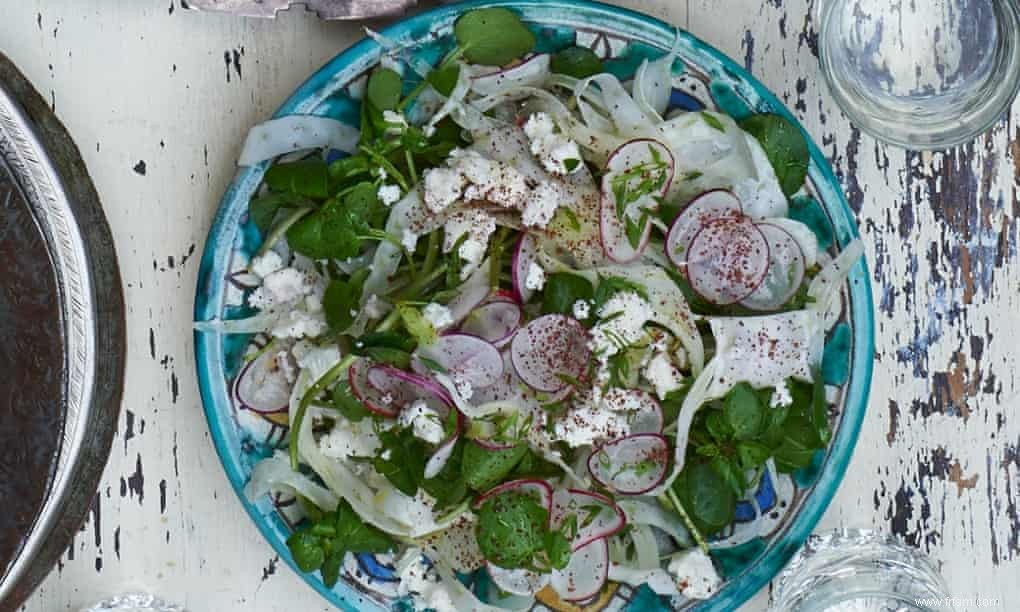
524, 320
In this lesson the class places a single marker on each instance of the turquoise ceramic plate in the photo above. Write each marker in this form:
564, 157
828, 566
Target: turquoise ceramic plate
707, 79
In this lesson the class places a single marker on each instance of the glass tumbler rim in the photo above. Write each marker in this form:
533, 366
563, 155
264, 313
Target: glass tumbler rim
897, 129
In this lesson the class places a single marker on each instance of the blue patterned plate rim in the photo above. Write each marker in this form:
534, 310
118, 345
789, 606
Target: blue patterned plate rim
619, 21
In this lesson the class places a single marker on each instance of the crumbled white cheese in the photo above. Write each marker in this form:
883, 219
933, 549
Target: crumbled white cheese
663, 375
380, 173
409, 240
477, 226
264, 265
589, 421
550, 147
657, 579
627, 312
695, 575
299, 324
420, 581
282, 287
438, 315
316, 360
350, 439
424, 422
491, 181
542, 203
535, 279
388, 194
781, 395
581, 309
443, 187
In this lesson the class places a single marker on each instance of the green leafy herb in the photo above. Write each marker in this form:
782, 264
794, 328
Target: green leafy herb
511, 529
639, 181
713, 121
611, 285
485, 468
322, 543
404, 462
743, 411
707, 497
308, 178
263, 209
335, 231
420, 328
578, 62
346, 404
342, 299
492, 36
784, 145
562, 289
449, 487
383, 89
444, 78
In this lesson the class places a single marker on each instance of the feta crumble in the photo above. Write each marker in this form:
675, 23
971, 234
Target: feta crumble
299, 324
438, 315
420, 581
781, 395
624, 316
477, 226
663, 375
581, 309
282, 287
424, 422
695, 575
388, 194
550, 147
590, 421
409, 240
536, 277
350, 439
463, 387
443, 187
541, 204
264, 265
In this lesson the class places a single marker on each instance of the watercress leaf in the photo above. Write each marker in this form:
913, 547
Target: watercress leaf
404, 463
730, 473
350, 167
444, 78
493, 36
718, 426
744, 412
309, 177
331, 568
394, 357
362, 202
706, 497
534, 466
784, 145
332, 232
306, 548
354, 535
578, 62
383, 89
263, 209
752, 454
511, 528
420, 328
562, 289
449, 487
672, 403
340, 303
611, 285
384, 340
484, 468
346, 404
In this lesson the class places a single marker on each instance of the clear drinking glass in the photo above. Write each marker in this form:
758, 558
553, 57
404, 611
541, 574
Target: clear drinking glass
133, 602
922, 74
857, 570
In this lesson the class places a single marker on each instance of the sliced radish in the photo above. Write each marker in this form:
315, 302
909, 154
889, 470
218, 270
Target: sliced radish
532, 486
261, 386
707, 207
785, 273
629, 156
586, 573
379, 402
630, 465
521, 582
495, 321
548, 348
644, 413
727, 261
597, 515
471, 293
531, 72
464, 357
402, 388
525, 254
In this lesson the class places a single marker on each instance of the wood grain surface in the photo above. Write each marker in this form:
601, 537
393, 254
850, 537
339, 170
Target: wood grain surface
159, 99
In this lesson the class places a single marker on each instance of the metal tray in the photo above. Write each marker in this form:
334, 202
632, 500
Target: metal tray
62, 325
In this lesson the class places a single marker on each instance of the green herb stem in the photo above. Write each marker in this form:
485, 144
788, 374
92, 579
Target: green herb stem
674, 501
391, 319
431, 254
320, 385
387, 165
416, 287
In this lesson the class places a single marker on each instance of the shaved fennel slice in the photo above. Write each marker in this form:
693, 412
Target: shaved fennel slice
532, 72
653, 82
261, 322
296, 133
646, 550
275, 474
463, 599
454, 101
598, 144
647, 511
630, 120
826, 285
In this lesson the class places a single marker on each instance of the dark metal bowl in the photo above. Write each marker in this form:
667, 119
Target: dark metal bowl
62, 338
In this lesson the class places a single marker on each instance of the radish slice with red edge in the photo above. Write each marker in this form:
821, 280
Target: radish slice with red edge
586, 573
495, 321
521, 582
402, 388
525, 254
644, 413
630, 465
785, 273
438, 460
261, 386
597, 515
548, 348
531, 72
727, 261
631, 156
372, 398
532, 486
707, 207
463, 357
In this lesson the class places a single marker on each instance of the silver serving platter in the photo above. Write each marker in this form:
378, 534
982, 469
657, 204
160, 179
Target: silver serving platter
42, 173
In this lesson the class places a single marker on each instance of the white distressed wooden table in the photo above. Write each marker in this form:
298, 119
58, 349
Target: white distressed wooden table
159, 99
